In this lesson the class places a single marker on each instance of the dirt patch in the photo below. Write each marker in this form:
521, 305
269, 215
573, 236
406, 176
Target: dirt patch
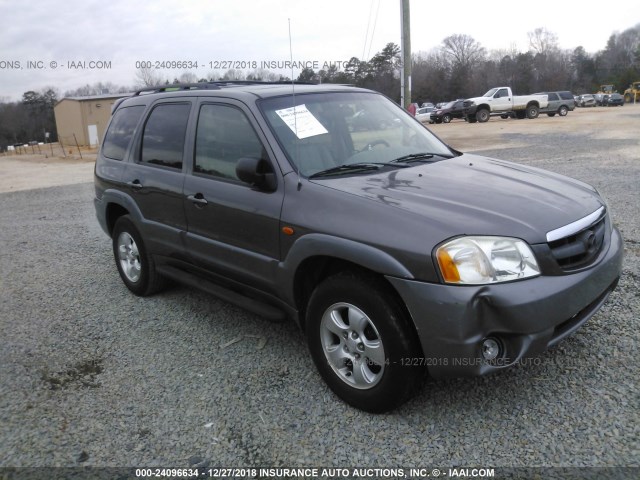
26, 172
497, 133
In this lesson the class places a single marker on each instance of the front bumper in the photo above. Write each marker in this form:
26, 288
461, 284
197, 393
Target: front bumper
470, 110
527, 316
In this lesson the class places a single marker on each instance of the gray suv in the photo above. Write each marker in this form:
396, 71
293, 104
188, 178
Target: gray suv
393, 252
559, 102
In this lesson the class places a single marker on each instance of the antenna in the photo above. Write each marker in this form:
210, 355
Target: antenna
295, 116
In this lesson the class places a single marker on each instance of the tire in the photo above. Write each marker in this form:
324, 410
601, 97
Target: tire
446, 118
532, 111
358, 335
551, 114
136, 267
472, 119
520, 114
482, 115
563, 110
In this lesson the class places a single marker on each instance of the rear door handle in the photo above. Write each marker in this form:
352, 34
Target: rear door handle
198, 199
135, 184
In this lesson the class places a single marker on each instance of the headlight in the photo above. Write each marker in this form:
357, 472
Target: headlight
481, 260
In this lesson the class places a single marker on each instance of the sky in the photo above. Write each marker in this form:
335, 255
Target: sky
71, 43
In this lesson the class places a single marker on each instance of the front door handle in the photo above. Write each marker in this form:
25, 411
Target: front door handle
198, 199
135, 184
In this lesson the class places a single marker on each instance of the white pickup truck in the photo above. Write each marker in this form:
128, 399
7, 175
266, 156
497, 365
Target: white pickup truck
502, 101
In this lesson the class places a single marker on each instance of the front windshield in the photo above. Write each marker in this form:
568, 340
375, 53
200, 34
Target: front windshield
333, 129
490, 92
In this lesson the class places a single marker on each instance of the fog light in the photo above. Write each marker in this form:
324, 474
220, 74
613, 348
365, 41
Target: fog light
490, 349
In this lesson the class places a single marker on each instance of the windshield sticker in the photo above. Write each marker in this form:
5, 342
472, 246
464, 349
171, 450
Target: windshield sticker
301, 121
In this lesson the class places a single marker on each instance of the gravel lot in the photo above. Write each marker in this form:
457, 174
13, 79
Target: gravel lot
92, 375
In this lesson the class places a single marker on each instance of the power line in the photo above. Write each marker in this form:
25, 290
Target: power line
375, 22
366, 35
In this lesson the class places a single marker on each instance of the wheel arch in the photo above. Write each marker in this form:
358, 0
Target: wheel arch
315, 257
313, 270
117, 204
113, 212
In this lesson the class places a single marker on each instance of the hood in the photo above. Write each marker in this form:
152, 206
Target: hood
473, 195
476, 100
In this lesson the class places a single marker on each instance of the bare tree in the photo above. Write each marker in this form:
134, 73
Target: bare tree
542, 41
233, 74
463, 50
146, 77
188, 77
465, 55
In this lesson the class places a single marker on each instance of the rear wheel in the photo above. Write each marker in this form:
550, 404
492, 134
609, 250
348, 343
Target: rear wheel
135, 265
520, 114
532, 111
360, 339
551, 114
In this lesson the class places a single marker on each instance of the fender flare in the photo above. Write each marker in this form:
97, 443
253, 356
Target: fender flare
322, 245
117, 197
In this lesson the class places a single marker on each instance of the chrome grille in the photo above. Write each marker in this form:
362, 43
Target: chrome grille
580, 248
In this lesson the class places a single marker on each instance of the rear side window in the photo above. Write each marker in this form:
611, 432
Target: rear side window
117, 139
224, 135
163, 137
566, 95
553, 96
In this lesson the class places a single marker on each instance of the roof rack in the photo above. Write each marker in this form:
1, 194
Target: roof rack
210, 86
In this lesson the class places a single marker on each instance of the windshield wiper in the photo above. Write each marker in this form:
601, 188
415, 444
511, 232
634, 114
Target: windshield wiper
418, 157
350, 167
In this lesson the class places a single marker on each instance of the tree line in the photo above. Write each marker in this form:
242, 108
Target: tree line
460, 67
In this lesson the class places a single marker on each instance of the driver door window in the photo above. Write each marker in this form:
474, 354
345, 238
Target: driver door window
223, 136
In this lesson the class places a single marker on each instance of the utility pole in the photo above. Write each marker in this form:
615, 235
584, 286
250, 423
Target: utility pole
405, 52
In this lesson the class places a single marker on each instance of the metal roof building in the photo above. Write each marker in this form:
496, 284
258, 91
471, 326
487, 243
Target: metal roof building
86, 117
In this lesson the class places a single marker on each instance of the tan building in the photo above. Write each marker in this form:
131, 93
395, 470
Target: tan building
86, 117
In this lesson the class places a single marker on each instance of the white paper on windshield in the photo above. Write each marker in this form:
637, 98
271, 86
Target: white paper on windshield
301, 121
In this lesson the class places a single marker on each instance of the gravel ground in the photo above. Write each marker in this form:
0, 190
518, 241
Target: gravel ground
92, 375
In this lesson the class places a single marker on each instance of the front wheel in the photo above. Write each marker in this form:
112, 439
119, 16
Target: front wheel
482, 115
446, 118
562, 111
360, 339
135, 265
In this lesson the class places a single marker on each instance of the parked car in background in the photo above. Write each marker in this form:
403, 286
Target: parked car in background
614, 100
559, 102
587, 100
424, 114
427, 104
501, 100
448, 112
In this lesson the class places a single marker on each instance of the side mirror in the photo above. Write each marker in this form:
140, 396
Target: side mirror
256, 172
